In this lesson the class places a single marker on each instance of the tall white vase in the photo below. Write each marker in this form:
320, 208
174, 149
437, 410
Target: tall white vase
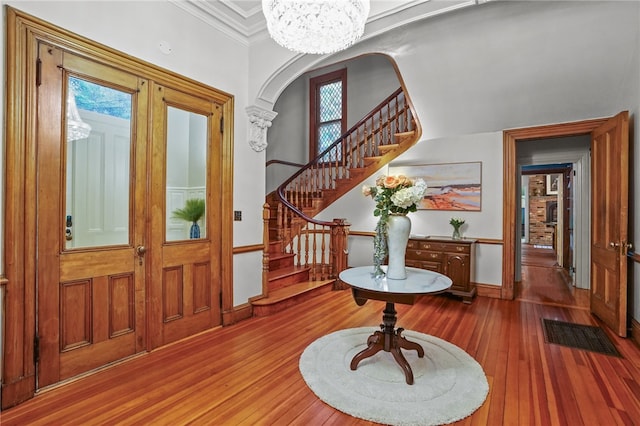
398, 230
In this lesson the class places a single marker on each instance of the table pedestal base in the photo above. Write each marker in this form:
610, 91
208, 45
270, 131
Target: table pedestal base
389, 340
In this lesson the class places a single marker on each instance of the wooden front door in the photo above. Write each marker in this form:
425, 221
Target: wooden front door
90, 214
185, 253
609, 221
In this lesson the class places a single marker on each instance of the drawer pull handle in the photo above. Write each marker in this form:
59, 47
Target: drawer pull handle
460, 248
434, 255
418, 252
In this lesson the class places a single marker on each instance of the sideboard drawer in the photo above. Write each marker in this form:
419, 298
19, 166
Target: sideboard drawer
448, 247
424, 255
431, 266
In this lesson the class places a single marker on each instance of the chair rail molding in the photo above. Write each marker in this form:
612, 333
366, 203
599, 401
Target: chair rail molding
259, 121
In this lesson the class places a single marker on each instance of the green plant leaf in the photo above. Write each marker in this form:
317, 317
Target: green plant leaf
192, 211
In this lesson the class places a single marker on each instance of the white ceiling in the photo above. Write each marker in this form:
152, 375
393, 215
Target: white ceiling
243, 20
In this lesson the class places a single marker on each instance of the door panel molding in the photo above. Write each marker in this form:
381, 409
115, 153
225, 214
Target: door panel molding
610, 218
185, 302
23, 34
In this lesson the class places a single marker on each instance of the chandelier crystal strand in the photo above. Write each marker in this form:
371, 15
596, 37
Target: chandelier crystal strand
315, 26
76, 128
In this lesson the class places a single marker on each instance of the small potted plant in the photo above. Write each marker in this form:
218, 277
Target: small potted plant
456, 222
192, 212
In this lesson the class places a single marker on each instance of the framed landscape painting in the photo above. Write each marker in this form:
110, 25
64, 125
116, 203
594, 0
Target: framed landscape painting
450, 186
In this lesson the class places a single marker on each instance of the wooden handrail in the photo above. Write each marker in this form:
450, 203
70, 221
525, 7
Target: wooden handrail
286, 163
393, 108
322, 245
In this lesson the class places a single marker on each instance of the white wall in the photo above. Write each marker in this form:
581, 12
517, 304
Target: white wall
502, 65
478, 70
487, 223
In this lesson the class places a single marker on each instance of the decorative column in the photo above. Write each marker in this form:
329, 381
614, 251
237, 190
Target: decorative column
260, 120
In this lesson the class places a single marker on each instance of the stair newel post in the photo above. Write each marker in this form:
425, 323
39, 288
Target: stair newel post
266, 215
339, 250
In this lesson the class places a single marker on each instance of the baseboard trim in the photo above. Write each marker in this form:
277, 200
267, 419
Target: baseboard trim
488, 290
239, 313
635, 331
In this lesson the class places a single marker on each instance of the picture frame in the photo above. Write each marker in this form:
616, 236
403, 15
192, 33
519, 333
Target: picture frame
553, 180
450, 186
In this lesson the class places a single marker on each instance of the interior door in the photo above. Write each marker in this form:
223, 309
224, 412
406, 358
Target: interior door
609, 219
91, 169
185, 216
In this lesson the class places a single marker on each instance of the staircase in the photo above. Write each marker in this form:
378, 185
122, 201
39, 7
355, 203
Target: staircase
303, 256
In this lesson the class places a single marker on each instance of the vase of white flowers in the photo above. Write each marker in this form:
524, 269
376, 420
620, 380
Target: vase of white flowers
456, 222
395, 197
398, 230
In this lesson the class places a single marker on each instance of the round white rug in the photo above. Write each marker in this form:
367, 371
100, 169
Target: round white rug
448, 386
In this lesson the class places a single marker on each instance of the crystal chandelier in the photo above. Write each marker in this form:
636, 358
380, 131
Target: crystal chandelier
315, 26
76, 128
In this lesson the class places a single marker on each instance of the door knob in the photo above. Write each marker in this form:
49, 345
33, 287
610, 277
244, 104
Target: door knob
613, 245
140, 251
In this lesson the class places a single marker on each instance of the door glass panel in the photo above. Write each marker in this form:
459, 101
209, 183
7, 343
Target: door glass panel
186, 175
98, 152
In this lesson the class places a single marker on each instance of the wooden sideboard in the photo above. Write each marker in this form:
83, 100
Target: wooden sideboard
453, 258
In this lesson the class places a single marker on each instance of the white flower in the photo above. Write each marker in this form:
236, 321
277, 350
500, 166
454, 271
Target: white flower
407, 197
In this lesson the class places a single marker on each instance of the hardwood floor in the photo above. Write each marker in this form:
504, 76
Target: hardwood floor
248, 373
543, 281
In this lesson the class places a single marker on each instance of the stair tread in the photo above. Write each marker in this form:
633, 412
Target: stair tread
289, 291
388, 147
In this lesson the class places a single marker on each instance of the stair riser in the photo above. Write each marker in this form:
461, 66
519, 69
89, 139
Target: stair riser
284, 262
263, 311
288, 280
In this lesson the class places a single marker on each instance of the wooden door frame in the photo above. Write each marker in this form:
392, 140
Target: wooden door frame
510, 139
23, 32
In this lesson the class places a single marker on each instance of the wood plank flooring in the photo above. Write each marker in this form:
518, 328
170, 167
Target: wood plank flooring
247, 373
